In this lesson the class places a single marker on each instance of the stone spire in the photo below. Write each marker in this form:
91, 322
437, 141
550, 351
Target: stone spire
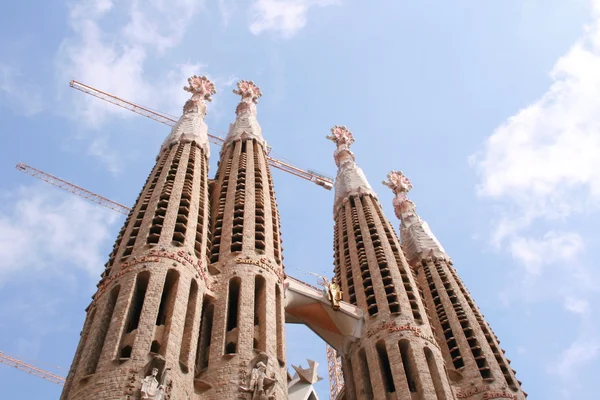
246, 125
191, 125
350, 179
475, 362
417, 239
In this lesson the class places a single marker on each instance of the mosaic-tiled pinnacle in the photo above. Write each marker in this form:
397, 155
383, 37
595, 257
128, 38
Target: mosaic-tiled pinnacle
191, 125
246, 125
350, 179
417, 238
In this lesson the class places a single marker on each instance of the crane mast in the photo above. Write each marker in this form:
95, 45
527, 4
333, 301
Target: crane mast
311, 176
69, 187
31, 369
336, 379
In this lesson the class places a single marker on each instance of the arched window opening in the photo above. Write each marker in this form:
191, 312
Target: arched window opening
237, 236
167, 300
367, 389
231, 335
204, 337
165, 195
409, 365
103, 326
363, 261
190, 316
260, 313
84, 336
434, 372
386, 369
165, 310
134, 313
217, 223
279, 324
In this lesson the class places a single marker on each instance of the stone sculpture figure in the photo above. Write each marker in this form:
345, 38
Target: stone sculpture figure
151, 388
260, 383
334, 293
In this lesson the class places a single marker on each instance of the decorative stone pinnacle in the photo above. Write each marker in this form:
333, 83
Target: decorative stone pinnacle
201, 87
340, 135
398, 182
248, 90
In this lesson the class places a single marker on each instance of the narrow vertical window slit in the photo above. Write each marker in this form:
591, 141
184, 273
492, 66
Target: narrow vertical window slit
100, 336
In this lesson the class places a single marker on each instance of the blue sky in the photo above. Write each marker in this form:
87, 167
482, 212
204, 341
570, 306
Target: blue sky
490, 108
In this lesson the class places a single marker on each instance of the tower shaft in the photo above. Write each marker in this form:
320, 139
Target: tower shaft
476, 364
143, 325
247, 337
397, 355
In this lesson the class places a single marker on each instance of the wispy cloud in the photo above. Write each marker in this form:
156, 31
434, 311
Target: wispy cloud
19, 91
47, 231
112, 46
113, 57
285, 17
542, 165
227, 8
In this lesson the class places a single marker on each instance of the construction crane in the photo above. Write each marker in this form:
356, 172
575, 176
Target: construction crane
69, 187
31, 369
336, 378
311, 176
336, 381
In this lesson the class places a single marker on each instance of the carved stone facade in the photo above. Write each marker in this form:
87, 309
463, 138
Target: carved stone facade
246, 259
476, 364
192, 294
396, 357
194, 297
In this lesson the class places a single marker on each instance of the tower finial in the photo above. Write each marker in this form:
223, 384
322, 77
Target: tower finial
398, 182
191, 125
340, 135
200, 86
246, 125
400, 185
350, 180
343, 138
248, 90
417, 237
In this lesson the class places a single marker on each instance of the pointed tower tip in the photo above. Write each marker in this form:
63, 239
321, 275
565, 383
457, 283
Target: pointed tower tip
201, 87
246, 125
191, 125
248, 90
418, 240
398, 182
350, 180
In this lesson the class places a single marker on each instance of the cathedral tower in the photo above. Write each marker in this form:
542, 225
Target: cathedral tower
142, 325
475, 362
397, 356
246, 333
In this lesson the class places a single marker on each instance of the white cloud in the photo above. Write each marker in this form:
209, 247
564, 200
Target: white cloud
227, 8
111, 46
19, 91
577, 305
581, 352
542, 165
285, 17
52, 232
538, 157
554, 247
113, 57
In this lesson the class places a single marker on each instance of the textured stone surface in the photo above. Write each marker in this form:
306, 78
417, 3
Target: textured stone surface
376, 277
476, 364
422, 336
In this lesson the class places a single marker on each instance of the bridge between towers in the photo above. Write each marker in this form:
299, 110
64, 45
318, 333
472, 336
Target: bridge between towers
309, 305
